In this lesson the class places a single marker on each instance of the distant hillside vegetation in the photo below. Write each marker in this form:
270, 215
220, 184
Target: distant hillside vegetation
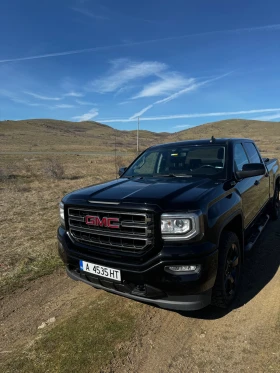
56, 135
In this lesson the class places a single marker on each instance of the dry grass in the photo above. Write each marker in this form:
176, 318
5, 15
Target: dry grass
80, 344
29, 211
50, 135
61, 136
54, 169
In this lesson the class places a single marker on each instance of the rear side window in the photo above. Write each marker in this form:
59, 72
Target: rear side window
252, 152
240, 157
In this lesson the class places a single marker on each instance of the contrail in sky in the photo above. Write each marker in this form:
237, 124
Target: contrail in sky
196, 115
274, 27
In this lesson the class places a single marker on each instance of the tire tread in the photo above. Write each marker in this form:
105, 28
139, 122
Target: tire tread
272, 212
218, 298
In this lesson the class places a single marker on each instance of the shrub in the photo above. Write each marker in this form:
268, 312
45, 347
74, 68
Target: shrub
3, 175
54, 169
9, 172
120, 162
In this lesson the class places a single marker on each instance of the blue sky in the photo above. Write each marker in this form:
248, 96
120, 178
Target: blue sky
173, 63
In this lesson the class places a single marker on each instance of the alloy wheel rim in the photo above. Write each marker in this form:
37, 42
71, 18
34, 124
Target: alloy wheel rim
231, 270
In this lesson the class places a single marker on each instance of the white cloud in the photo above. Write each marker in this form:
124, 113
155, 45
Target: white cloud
266, 28
73, 94
13, 97
28, 103
5, 93
168, 84
141, 112
89, 14
196, 115
124, 89
183, 126
124, 71
40, 97
86, 103
190, 88
64, 106
269, 117
195, 85
169, 98
87, 116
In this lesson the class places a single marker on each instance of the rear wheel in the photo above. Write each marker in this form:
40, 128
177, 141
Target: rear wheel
229, 269
274, 207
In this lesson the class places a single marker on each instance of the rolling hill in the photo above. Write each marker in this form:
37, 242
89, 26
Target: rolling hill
53, 135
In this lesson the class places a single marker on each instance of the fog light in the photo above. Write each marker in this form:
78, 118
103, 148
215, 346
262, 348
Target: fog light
194, 268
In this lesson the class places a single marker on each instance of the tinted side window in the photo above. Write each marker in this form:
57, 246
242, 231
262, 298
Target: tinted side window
240, 157
252, 152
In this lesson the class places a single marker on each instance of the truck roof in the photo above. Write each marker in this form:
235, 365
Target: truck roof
203, 142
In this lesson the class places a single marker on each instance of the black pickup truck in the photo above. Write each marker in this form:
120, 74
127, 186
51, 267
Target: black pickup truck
173, 230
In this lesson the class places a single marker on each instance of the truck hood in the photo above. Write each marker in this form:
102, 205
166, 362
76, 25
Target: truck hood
180, 193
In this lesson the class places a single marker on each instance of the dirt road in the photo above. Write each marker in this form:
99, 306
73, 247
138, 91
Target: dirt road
243, 339
22, 312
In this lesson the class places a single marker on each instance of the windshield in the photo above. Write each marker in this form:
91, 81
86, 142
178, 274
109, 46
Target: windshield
189, 161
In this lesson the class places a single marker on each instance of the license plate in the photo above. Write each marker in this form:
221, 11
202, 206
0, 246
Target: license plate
96, 269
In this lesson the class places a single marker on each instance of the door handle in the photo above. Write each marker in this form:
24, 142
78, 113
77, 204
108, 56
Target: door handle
256, 182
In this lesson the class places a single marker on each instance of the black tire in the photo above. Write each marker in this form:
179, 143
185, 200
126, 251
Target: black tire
229, 270
274, 207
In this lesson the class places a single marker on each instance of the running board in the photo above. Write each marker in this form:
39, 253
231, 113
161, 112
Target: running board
257, 233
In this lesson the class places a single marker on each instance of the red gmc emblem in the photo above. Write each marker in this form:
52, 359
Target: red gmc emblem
104, 222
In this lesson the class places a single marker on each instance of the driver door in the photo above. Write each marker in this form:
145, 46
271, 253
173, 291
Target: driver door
246, 187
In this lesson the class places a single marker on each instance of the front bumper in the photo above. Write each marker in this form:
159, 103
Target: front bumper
178, 303
149, 282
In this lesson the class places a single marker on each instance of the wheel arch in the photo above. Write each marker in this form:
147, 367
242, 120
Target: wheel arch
235, 224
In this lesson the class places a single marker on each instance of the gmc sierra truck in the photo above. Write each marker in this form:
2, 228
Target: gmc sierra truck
173, 230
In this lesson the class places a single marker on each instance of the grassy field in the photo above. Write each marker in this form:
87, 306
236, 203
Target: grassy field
51, 135
29, 198
80, 343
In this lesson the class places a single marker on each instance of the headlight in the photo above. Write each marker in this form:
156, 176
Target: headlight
61, 213
179, 226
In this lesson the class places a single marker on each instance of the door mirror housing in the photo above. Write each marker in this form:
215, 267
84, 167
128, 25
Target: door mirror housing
122, 170
251, 170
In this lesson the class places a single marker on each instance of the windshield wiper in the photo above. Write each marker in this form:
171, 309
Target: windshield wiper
134, 177
172, 175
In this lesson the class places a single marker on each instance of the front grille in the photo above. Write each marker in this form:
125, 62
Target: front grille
135, 231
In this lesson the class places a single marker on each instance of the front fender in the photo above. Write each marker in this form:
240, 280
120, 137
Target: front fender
221, 213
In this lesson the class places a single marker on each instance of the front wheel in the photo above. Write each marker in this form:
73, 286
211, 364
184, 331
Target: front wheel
229, 269
274, 207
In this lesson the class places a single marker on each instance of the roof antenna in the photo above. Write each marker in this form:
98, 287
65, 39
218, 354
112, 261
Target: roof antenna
212, 139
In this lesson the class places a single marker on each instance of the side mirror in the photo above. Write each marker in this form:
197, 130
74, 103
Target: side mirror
251, 170
122, 170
